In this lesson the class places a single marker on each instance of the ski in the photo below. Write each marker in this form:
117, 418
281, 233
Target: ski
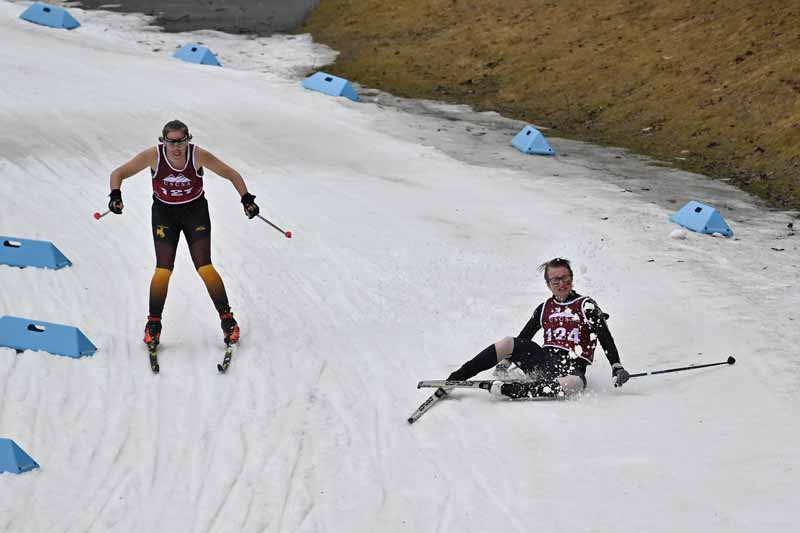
466, 384
486, 384
226, 361
152, 350
422, 409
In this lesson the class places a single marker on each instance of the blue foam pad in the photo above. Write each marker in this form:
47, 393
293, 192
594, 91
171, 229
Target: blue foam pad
47, 15
194, 53
531, 141
701, 218
14, 459
330, 85
25, 252
27, 334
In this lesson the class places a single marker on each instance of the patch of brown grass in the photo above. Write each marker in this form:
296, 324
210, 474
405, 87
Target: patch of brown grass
709, 86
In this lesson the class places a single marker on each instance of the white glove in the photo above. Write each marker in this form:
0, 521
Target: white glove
501, 369
497, 389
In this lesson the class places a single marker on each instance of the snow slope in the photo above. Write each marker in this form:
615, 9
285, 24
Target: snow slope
405, 262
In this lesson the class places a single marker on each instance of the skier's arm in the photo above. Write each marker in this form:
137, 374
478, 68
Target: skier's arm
217, 166
597, 319
607, 342
533, 325
144, 159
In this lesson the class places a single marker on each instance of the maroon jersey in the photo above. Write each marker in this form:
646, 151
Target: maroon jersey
565, 326
177, 185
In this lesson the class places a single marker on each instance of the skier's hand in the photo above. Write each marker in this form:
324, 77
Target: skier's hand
250, 207
619, 375
115, 204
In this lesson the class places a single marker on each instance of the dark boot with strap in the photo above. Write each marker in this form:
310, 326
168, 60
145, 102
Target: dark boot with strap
532, 389
483, 361
152, 330
229, 326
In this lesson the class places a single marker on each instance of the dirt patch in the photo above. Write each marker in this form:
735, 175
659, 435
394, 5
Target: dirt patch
707, 86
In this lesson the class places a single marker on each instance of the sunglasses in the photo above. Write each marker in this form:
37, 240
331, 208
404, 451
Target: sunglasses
175, 142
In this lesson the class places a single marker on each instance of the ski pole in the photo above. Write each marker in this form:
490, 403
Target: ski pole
730, 361
98, 215
288, 234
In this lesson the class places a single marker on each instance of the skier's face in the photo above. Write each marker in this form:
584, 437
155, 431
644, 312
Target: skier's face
559, 281
176, 143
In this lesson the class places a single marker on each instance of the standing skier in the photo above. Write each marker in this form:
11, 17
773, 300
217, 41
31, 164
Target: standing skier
572, 326
179, 205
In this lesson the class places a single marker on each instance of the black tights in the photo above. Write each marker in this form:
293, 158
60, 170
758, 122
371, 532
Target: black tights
531, 358
193, 220
200, 250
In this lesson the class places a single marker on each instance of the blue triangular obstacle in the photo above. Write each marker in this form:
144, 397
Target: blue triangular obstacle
330, 84
701, 218
194, 53
531, 141
25, 252
26, 334
14, 459
47, 15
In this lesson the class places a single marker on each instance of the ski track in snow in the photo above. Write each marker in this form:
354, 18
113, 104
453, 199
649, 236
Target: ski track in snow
405, 262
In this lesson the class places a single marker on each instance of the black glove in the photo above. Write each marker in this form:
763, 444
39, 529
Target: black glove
115, 204
619, 375
250, 207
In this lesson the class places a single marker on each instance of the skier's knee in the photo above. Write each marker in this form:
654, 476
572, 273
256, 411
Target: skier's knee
504, 347
162, 274
209, 275
207, 267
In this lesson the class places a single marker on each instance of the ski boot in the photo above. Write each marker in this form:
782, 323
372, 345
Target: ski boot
531, 389
152, 331
229, 326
